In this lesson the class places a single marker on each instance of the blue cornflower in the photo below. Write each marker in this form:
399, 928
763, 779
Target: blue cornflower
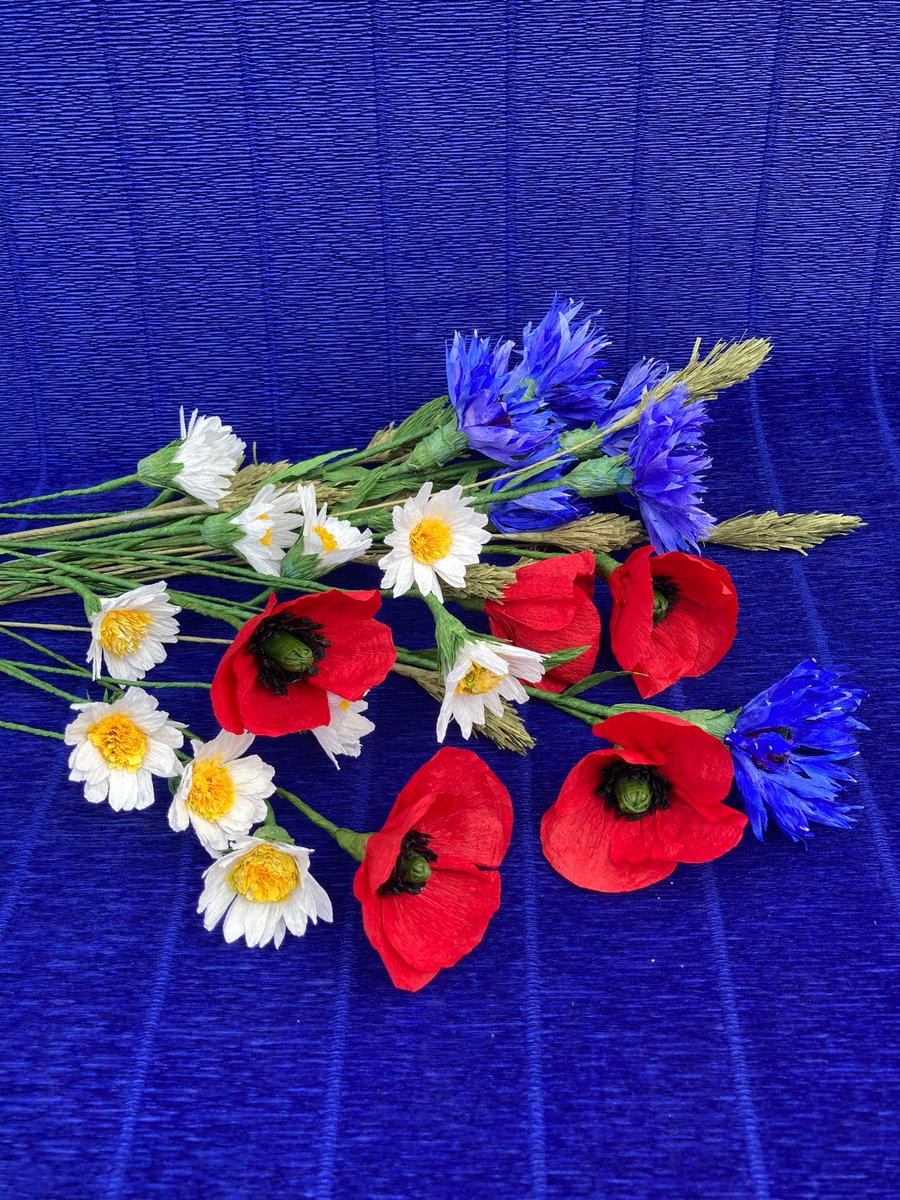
646, 373
496, 410
789, 746
561, 361
540, 510
666, 457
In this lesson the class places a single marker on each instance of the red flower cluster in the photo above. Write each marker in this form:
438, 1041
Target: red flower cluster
426, 899
626, 817
274, 676
674, 615
550, 607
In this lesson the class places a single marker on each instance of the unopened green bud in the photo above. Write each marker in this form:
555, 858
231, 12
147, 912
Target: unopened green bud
602, 476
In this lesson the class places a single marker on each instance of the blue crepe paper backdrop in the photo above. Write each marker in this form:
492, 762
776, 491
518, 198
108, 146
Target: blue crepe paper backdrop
278, 212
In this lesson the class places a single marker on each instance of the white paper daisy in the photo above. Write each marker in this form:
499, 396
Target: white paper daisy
131, 631
433, 536
483, 676
221, 793
119, 747
268, 525
332, 539
266, 889
207, 458
344, 732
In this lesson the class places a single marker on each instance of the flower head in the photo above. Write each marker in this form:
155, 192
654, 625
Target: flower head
268, 528
201, 463
561, 361
345, 729
119, 747
666, 457
790, 745
266, 889
130, 632
541, 510
222, 792
425, 893
483, 676
501, 416
550, 607
626, 817
674, 615
645, 374
434, 537
333, 540
276, 675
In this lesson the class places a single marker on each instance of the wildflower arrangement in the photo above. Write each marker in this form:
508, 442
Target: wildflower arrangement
498, 506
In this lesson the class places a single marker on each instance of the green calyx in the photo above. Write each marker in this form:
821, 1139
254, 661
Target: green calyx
633, 793
219, 531
160, 468
288, 651
351, 841
438, 448
602, 476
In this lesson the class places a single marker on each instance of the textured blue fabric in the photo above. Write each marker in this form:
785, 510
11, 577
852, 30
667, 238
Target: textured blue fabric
279, 212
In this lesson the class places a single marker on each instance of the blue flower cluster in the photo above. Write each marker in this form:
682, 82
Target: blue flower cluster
515, 411
790, 745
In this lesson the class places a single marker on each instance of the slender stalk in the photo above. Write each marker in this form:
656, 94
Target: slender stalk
42, 684
132, 517
348, 839
105, 680
17, 728
94, 490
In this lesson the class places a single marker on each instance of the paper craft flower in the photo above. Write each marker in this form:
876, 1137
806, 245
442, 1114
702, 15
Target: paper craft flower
276, 675
626, 817
425, 893
345, 730
266, 889
790, 745
667, 456
119, 747
645, 374
130, 632
541, 510
674, 615
333, 540
499, 416
222, 793
434, 537
548, 608
483, 676
202, 464
561, 362
267, 528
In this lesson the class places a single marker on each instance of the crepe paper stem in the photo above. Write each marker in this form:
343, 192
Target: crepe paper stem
41, 684
49, 733
63, 516
606, 564
415, 660
348, 839
94, 490
715, 722
132, 517
106, 680
521, 551
19, 637
182, 637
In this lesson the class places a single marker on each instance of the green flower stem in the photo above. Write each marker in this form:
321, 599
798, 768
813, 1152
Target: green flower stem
5, 626
606, 564
105, 680
131, 517
24, 677
95, 490
19, 637
415, 660
348, 839
521, 551
61, 516
715, 722
515, 493
49, 733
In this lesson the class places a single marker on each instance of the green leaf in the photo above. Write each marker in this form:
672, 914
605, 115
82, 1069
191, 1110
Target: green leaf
422, 421
584, 685
273, 833
302, 469
560, 657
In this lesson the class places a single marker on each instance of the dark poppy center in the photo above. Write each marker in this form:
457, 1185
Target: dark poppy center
634, 791
665, 596
286, 648
412, 870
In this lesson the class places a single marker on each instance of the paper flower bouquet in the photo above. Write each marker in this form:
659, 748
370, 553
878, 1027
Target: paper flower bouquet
498, 506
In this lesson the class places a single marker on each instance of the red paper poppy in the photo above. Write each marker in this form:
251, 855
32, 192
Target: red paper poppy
425, 897
274, 676
549, 607
626, 817
674, 615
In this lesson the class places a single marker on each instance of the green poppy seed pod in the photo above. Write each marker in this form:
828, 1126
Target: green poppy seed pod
415, 870
288, 651
633, 795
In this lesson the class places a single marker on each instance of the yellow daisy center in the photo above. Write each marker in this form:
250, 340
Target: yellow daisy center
430, 540
120, 741
478, 680
122, 630
265, 875
212, 790
328, 540
266, 539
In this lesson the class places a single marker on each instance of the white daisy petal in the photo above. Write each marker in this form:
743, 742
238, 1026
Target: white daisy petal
345, 730
129, 632
208, 457
268, 525
484, 674
332, 540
